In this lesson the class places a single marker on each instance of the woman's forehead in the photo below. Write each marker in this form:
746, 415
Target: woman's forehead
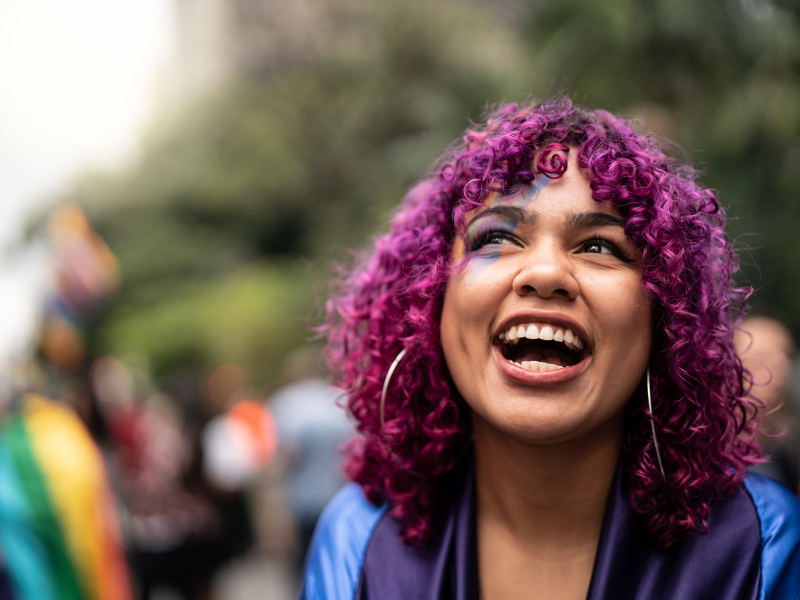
560, 199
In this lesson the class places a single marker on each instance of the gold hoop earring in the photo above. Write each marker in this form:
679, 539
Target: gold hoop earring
652, 427
386, 381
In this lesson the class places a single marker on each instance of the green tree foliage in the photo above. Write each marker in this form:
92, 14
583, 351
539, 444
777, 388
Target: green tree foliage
721, 78
277, 173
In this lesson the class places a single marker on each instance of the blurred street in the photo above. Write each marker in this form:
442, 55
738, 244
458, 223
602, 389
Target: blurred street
252, 578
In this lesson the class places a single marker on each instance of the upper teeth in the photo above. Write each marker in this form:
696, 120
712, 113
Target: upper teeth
532, 331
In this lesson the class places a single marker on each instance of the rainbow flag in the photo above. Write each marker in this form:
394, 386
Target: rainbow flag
59, 534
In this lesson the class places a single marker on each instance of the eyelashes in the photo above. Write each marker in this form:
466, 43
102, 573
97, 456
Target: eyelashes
602, 242
594, 245
492, 237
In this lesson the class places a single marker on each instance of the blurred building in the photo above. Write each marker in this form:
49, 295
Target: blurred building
220, 40
217, 41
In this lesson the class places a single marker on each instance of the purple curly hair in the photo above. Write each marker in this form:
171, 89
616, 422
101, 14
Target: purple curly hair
392, 300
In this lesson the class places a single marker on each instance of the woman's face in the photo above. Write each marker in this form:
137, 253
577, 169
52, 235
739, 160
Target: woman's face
546, 331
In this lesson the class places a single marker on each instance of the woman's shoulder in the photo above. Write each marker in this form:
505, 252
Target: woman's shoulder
334, 561
778, 511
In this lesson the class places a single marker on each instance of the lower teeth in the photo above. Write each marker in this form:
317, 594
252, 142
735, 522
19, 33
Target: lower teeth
535, 365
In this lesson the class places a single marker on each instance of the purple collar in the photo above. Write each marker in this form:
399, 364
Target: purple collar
724, 564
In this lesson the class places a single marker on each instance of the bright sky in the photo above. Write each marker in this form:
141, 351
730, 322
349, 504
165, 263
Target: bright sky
77, 83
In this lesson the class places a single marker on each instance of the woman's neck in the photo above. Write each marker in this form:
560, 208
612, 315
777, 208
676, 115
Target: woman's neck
540, 510
550, 488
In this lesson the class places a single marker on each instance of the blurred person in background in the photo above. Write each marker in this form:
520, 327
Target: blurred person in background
767, 350
181, 529
164, 519
311, 430
59, 530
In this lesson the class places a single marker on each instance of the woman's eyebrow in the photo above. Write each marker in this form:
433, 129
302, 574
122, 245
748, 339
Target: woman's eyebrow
510, 213
588, 220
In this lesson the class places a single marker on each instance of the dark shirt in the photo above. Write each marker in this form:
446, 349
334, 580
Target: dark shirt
751, 551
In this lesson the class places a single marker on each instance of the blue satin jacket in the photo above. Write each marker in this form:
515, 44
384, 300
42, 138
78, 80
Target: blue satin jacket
751, 551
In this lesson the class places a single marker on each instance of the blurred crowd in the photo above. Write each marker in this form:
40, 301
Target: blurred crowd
108, 494
113, 487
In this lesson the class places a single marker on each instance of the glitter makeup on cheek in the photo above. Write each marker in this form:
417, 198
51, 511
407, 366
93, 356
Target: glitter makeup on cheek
478, 264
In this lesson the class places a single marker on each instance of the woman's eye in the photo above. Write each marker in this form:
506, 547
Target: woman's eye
497, 239
601, 246
493, 238
596, 248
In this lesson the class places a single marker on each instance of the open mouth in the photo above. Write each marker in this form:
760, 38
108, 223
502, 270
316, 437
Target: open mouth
542, 346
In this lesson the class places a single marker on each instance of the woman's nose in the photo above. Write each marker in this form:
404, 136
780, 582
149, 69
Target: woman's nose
546, 272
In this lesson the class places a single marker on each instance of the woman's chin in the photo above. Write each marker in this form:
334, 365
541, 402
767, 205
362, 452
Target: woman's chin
545, 421
541, 424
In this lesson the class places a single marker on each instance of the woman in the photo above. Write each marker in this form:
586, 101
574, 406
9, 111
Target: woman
539, 356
